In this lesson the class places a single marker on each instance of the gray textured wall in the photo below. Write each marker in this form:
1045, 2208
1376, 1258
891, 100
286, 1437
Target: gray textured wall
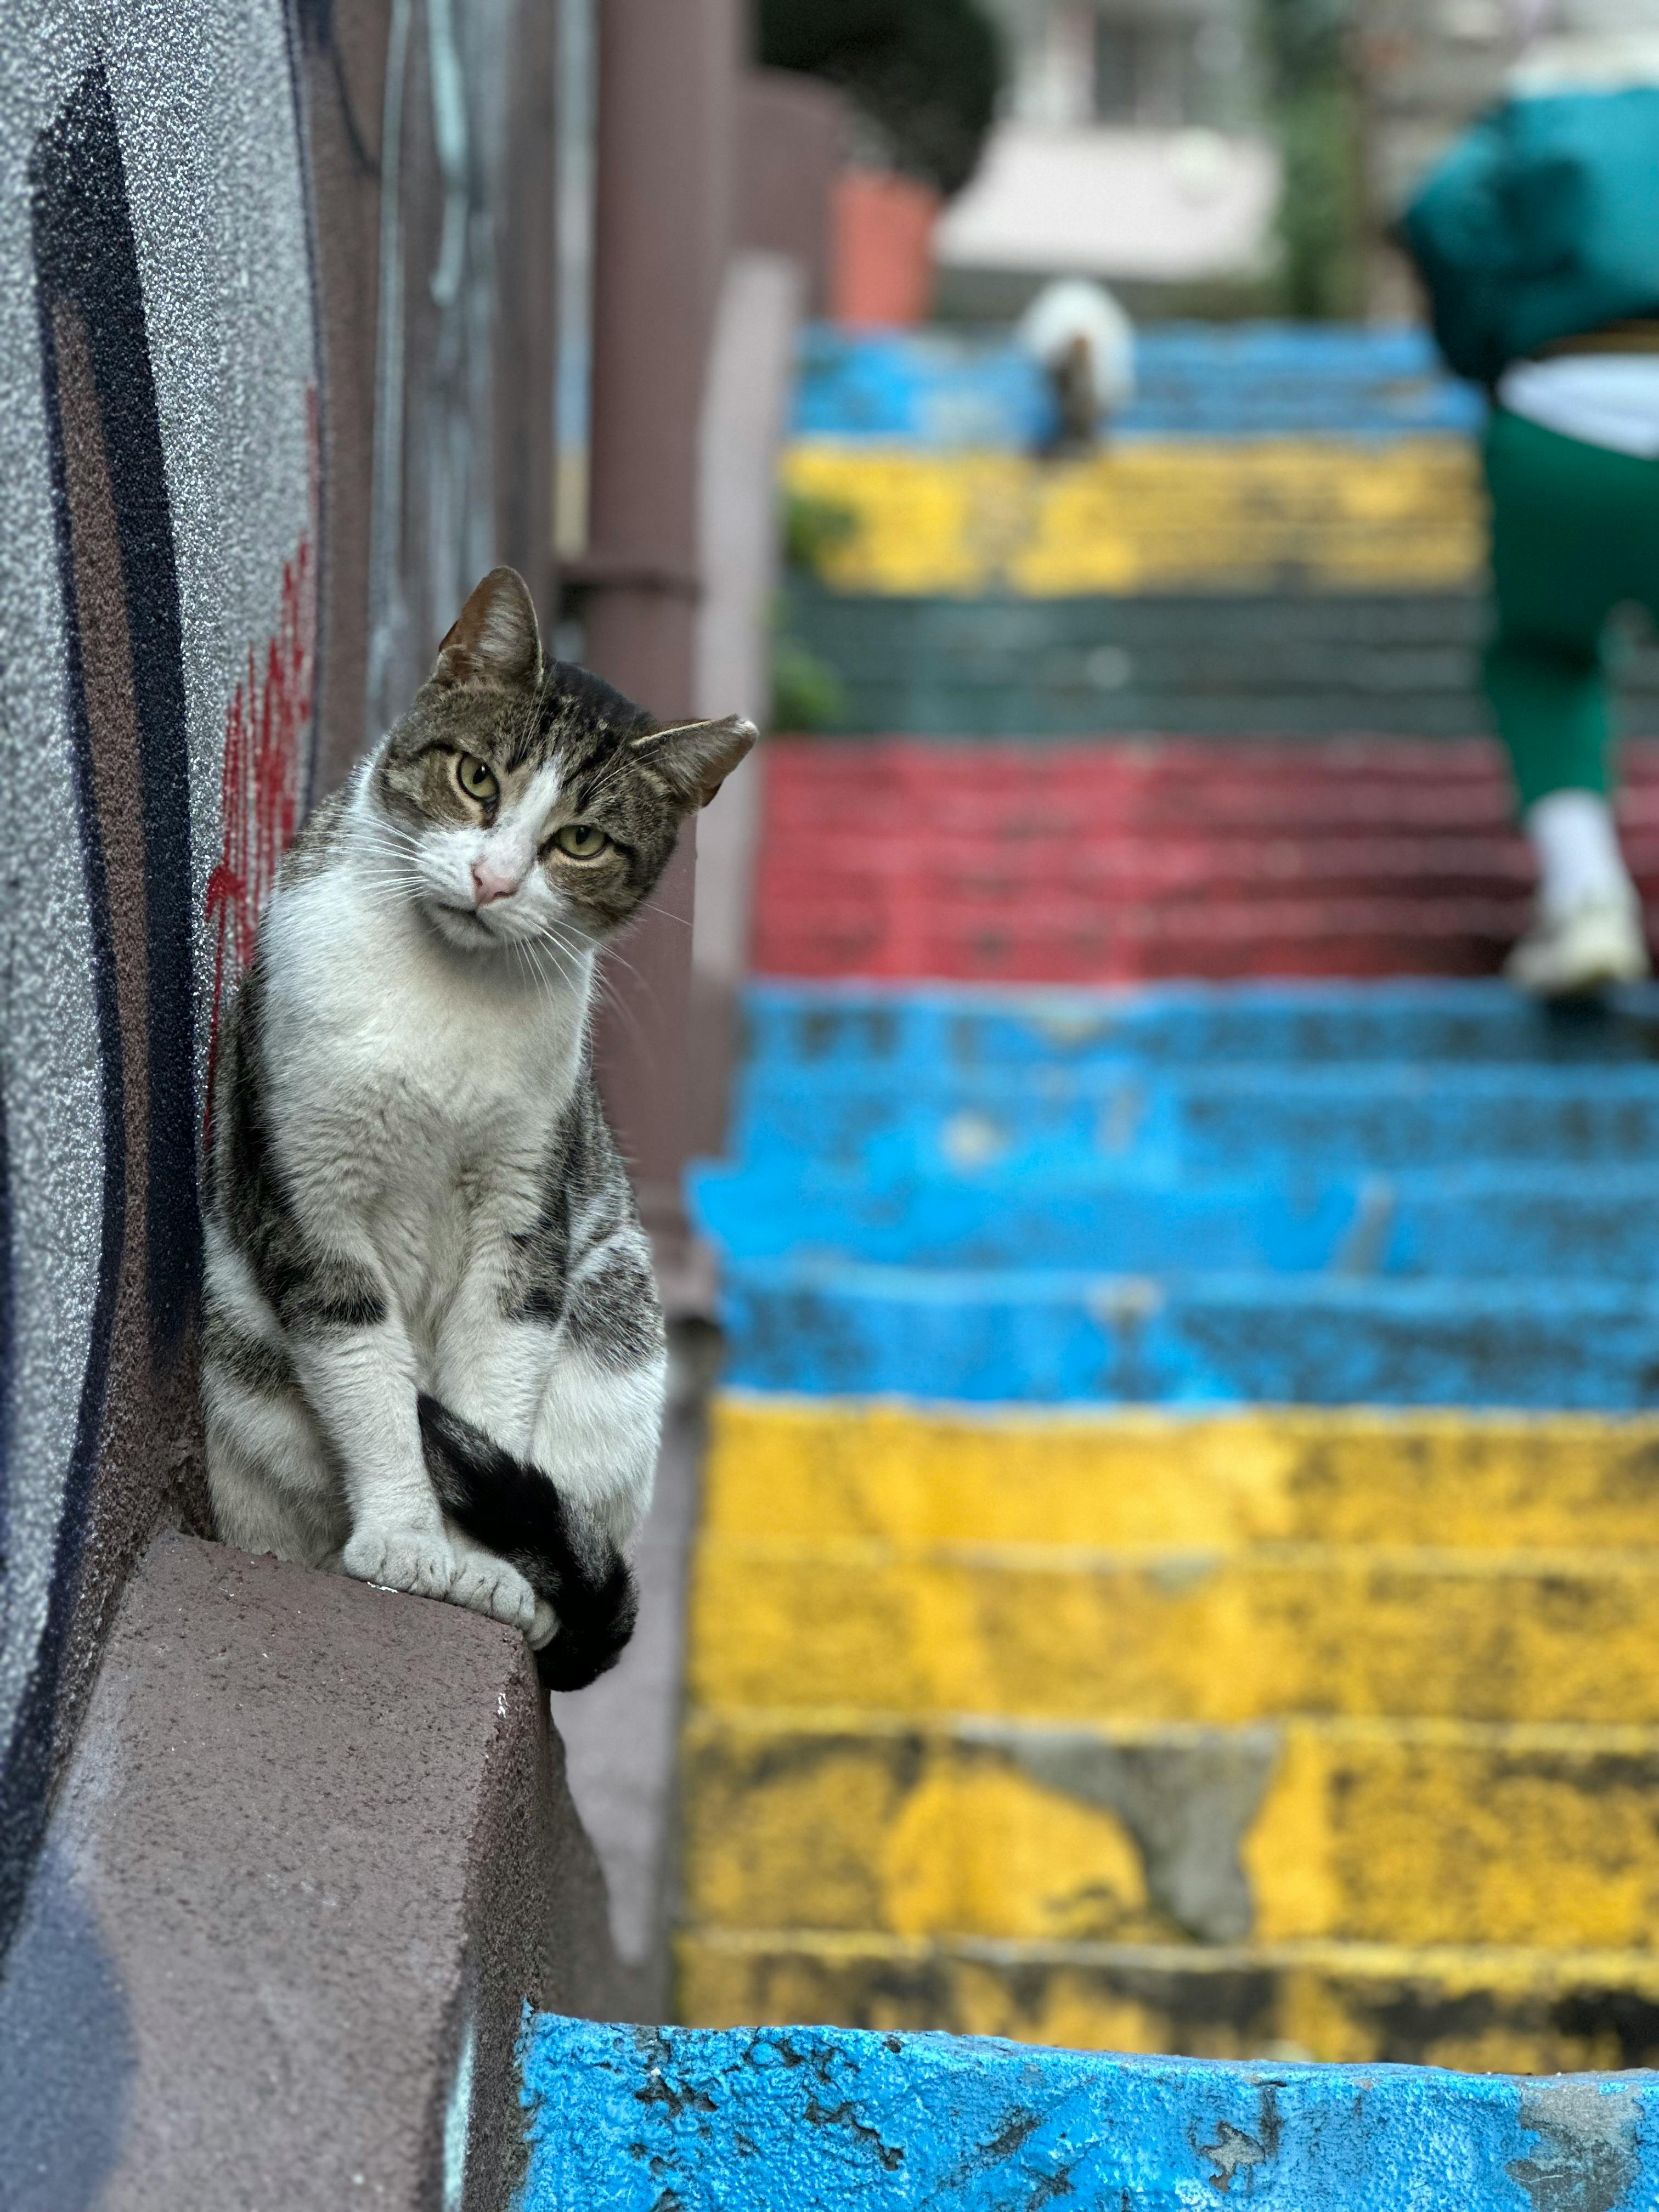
159, 561
274, 387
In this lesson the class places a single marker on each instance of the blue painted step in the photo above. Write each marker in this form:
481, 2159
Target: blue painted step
809, 1025
638, 2119
1252, 380
1048, 1337
939, 1121
1541, 1220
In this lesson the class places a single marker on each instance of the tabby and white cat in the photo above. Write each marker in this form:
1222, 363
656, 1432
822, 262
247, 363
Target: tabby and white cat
433, 1353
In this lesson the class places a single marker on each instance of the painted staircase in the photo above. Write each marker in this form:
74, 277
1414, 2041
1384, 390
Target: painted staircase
1179, 1568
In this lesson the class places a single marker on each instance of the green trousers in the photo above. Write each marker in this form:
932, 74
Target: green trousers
1575, 533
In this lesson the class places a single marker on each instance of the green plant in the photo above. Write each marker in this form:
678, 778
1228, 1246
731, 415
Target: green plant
806, 693
924, 74
814, 531
1315, 111
1320, 215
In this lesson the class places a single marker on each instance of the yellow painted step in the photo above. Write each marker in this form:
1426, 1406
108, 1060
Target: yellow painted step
1408, 1832
829, 1467
1506, 2011
1150, 514
1216, 1636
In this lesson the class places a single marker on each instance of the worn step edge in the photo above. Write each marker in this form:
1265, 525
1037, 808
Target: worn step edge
886, 2121
705, 1722
1515, 1966
635, 2119
1183, 1563
1412, 1833
1490, 2009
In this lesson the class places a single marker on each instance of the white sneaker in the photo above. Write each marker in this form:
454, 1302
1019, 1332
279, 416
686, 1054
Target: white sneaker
1585, 947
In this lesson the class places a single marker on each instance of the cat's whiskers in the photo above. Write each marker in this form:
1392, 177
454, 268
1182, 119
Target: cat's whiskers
404, 880
612, 959
569, 963
653, 906
404, 886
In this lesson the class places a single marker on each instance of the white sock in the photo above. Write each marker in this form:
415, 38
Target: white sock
1573, 835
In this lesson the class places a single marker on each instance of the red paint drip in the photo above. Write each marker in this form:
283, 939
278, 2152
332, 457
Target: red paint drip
265, 726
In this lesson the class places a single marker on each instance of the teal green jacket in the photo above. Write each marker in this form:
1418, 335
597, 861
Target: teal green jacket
1541, 223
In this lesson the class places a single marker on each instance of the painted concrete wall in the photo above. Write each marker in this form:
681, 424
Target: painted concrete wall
274, 389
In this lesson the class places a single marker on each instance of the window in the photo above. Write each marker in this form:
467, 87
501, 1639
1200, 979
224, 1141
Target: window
1145, 73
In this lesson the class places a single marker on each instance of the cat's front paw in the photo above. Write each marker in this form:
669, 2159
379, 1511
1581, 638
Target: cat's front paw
490, 1586
544, 1627
401, 1559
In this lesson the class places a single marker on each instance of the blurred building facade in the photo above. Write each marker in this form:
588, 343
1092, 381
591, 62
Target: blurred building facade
1426, 68
1152, 142
1132, 147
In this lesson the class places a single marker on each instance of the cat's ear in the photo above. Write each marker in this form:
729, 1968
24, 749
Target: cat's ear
695, 758
495, 639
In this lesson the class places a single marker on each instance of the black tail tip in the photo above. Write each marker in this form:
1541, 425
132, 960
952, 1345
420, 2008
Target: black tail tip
592, 1636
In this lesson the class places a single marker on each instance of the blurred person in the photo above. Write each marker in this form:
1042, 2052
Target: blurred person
1538, 238
1085, 345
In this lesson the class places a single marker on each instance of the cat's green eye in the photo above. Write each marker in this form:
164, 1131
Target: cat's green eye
580, 841
476, 778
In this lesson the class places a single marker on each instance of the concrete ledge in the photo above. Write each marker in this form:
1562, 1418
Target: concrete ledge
313, 1854
817, 2118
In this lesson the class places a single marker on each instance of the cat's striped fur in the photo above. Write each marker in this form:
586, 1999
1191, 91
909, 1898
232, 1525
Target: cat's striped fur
433, 1355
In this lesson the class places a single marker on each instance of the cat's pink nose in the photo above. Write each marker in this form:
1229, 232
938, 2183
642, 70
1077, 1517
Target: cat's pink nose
489, 883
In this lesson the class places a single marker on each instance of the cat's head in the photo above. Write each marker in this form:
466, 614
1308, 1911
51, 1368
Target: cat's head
523, 799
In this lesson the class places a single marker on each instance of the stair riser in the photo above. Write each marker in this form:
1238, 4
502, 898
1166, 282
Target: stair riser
968, 819
886, 828
1255, 664
959, 890
814, 1029
1361, 1227
820, 1471
1237, 953
1251, 1340
1213, 1637
1543, 2017
1150, 516
1237, 380
827, 766
1251, 1123
1282, 1833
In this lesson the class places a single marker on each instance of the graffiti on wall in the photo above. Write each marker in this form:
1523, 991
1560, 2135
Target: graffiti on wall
159, 462
267, 726
188, 507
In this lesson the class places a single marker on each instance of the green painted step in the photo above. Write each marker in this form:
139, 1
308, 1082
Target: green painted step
1223, 665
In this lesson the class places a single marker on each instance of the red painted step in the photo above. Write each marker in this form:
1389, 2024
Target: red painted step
1097, 862
802, 869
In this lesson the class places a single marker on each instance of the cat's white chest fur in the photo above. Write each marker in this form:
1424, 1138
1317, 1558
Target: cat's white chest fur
433, 1353
424, 1084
